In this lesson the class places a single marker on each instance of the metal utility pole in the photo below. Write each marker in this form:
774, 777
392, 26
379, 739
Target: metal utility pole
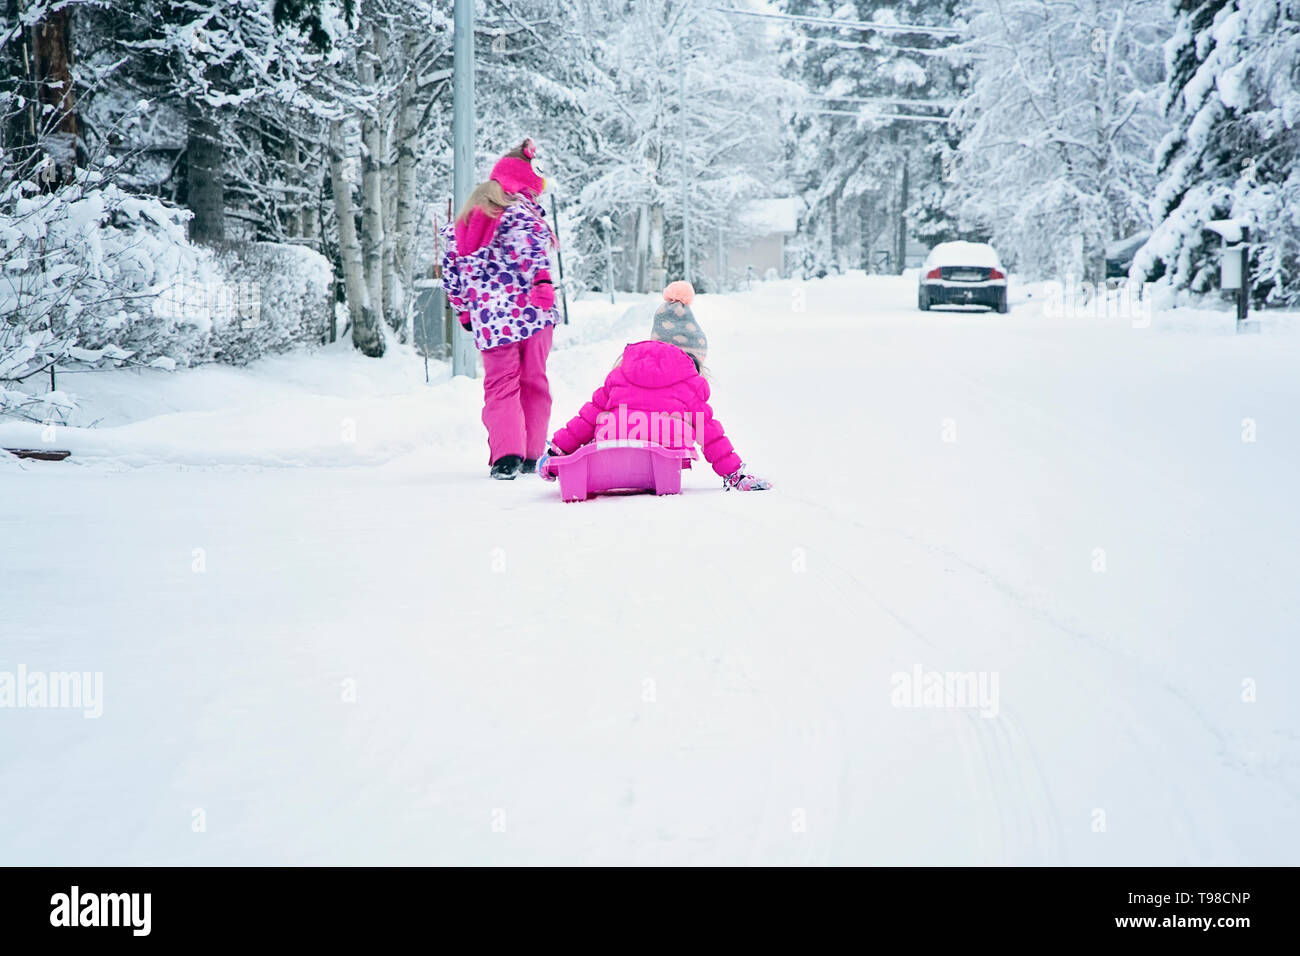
463, 360
686, 192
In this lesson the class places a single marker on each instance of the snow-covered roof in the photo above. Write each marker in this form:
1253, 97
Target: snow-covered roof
1229, 229
770, 216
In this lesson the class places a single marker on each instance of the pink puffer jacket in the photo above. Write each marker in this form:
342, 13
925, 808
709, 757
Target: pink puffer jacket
652, 382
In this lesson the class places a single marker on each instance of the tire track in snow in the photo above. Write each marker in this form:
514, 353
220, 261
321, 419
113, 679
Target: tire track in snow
1004, 755
782, 670
1110, 668
1002, 763
1029, 826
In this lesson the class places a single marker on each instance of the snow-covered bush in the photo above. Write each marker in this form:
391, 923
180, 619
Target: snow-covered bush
275, 296
80, 269
92, 276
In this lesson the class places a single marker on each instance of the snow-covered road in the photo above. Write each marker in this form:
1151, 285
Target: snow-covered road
326, 637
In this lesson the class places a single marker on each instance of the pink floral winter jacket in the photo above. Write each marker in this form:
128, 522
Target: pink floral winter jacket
653, 387
489, 272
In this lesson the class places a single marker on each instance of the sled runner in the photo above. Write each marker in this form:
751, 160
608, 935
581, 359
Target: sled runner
623, 465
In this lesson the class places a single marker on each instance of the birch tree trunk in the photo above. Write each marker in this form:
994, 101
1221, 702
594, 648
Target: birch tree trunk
408, 118
388, 190
366, 334
393, 313
372, 204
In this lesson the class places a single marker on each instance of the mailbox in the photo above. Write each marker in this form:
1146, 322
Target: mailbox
1234, 275
1230, 266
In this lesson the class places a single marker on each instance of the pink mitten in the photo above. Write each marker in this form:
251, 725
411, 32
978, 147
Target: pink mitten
542, 295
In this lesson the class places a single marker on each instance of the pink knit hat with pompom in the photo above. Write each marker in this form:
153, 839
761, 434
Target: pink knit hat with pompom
516, 175
680, 291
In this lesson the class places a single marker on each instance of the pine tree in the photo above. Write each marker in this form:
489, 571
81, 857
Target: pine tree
1233, 95
227, 84
39, 115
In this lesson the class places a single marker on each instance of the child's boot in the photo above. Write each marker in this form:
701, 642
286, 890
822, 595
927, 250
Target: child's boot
507, 467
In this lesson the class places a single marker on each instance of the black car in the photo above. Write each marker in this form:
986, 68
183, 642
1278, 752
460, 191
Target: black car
962, 273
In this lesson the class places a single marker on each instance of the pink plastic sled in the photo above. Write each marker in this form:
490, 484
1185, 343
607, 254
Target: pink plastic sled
623, 465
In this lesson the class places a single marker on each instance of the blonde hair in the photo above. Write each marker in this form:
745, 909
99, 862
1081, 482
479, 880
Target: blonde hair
489, 197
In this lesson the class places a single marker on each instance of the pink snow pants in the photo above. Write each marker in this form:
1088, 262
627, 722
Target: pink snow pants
517, 397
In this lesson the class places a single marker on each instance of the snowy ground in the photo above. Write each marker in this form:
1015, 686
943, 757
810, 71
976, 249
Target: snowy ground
384, 657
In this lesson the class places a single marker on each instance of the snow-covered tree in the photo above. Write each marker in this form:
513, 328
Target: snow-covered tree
389, 127
326, 123
1058, 128
38, 100
863, 171
221, 69
79, 257
606, 105
1233, 95
93, 271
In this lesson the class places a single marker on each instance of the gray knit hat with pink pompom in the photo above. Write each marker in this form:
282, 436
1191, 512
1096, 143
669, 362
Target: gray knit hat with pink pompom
675, 322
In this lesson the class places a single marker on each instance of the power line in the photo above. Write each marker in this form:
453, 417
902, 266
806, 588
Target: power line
848, 24
867, 115
949, 50
864, 25
898, 101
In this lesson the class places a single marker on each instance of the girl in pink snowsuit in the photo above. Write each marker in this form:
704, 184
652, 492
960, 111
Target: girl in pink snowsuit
656, 393
496, 273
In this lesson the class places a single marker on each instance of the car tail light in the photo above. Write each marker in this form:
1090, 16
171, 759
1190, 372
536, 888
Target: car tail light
934, 274
997, 274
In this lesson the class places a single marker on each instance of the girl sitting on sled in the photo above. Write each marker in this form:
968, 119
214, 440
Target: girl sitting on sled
659, 381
